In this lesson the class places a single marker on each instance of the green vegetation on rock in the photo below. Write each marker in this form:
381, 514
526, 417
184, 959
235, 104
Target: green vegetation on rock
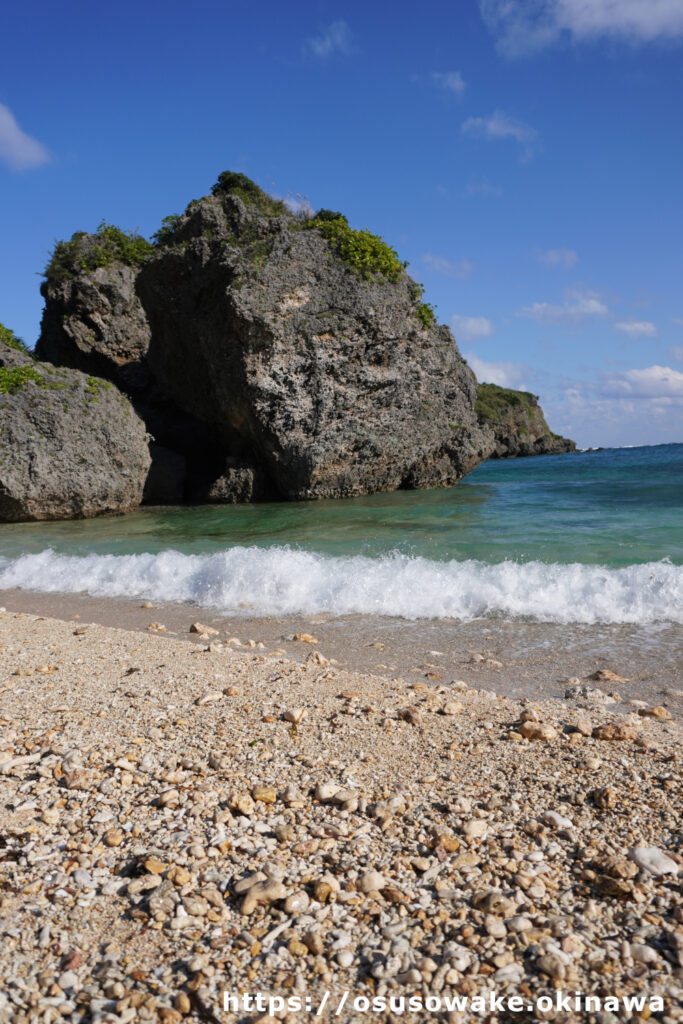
425, 314
93, 386
9, 338
367, 254
165, 233
15, 378
493, 400
87, 252
234, 184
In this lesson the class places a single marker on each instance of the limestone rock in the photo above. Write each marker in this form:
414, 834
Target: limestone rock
518, 423
329, 377
71, 446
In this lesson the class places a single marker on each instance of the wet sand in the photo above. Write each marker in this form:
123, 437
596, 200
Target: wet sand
535, 659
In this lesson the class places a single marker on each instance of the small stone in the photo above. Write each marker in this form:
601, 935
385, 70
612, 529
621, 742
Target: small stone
264, 794
304, 638
605, 675
475, 829
314, 941
605, 797
452, 707
372, 881
656, 712
552, 965
653, 860
210, 697
263, 893
616, 887
297, 903
518, 924
182, 1003
295, 715
113, 837
615, 732
197, 627
345, 958
540, 731
556, 820
154, 866
325, 791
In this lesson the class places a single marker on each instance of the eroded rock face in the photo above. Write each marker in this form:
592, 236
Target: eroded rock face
71, 446
95, 322
329, 380
245, 334
518, 424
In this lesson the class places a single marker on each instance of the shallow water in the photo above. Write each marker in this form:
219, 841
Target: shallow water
593, 538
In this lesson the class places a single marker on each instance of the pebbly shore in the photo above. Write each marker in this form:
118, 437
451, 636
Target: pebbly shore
183, 819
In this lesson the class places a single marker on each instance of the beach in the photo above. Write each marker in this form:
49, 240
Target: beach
183, 817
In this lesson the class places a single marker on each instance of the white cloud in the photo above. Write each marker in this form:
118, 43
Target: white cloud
677, 353
507, 375
523, 26
450, 81
577, 305
336, 38
566, 258
482, 188
17, 149
499, 126
471, 328
653, 382
637, 328
450, 268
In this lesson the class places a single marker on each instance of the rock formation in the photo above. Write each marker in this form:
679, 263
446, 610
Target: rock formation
71, 445
518, 423
299, 351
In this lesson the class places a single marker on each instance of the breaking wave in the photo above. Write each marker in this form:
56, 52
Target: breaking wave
285, 581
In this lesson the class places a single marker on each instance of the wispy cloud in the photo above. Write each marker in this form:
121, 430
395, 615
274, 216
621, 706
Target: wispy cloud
450, 81
525, 26
336, 38
577, 306
676, 353
566, 258
17, 149
449, 268
651, 382
507, 375
483, 188
471, 328
499, 126
637, 328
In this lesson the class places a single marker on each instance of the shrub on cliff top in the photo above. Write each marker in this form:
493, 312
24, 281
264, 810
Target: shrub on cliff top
367, 254
9, 338
493, 401
233, 183
87, 252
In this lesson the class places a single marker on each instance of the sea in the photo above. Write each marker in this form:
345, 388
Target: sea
591, 537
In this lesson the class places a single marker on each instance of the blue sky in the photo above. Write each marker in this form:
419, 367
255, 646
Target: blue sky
526, 158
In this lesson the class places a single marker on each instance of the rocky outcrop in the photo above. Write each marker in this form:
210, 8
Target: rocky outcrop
278, 357
94, 322
518, 424
319, 372
71, 446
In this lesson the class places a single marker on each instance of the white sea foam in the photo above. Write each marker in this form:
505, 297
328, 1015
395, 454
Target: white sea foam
282, 580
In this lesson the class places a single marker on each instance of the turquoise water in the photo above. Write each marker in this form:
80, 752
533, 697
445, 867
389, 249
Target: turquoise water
595, 534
